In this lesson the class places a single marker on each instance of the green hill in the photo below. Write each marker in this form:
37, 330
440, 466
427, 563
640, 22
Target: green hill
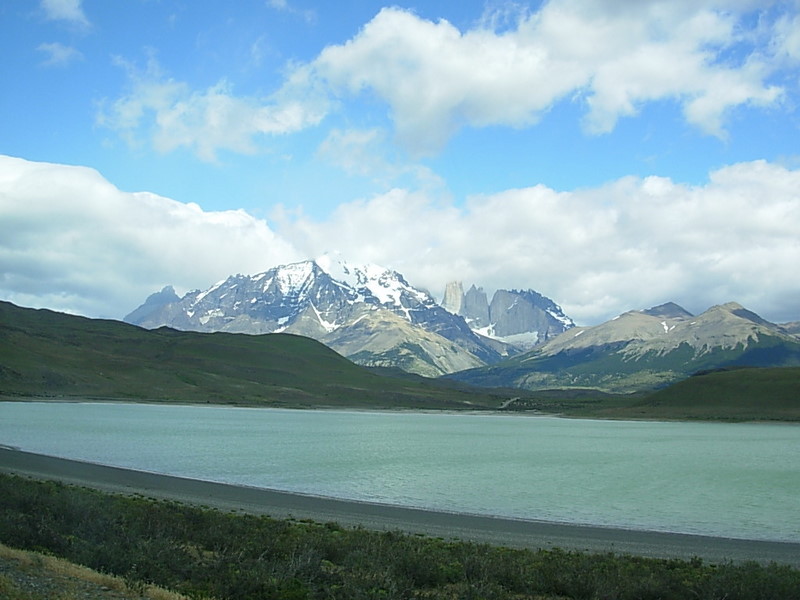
50, 354
731, 394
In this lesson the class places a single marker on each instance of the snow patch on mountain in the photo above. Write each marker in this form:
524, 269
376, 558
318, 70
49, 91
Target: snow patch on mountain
325, 297
374, 282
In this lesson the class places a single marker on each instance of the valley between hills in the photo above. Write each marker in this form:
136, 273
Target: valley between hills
50, 355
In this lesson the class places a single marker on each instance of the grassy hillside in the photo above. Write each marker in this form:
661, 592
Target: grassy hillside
599, 368
44, 353
28, 575
608, 369
736, 394
731, 394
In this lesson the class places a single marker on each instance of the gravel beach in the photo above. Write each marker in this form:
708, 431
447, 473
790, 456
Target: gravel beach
486, 529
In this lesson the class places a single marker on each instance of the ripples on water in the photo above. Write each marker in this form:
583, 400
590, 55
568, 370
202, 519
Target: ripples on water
735, 480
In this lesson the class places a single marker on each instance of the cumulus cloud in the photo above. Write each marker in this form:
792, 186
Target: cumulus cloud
71, 241
612, 56
509, 69
59, 55
631, 244
65, 10
170, 115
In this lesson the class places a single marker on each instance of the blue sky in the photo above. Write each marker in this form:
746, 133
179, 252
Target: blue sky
611, 155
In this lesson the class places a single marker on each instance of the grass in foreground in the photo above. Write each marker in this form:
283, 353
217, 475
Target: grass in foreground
207, 553
26, 575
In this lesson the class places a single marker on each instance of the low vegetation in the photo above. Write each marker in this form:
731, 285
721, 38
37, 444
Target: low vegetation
28, 575
50, 354
733, 394
742, 394
208, 553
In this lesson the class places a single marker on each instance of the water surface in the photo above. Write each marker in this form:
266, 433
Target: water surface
730, 480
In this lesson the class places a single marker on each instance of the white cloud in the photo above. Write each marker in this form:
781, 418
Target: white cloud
611, 57
70, 240
171, 115
616, 56
786, 41
631, 244
59, 55
65, 10
354, 150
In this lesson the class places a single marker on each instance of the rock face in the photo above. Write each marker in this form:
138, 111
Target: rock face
475, 309
670, 310
153, 303
366, 312
792, 328
453, 297
646, 349
520, 317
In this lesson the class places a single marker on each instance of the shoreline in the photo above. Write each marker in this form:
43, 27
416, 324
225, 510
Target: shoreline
533, 413
500, 531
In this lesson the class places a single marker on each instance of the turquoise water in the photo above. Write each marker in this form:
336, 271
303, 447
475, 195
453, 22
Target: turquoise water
732, 480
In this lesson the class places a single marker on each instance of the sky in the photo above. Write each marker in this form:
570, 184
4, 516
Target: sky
611, 155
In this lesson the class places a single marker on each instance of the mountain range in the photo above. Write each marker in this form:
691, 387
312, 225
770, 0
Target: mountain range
521, 339
45, 354
367, 313
645, 349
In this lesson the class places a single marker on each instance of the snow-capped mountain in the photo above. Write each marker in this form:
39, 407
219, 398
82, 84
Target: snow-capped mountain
332, 301
644, 349
524, 318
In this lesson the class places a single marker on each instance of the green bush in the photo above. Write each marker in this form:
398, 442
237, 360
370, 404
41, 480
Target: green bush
205, 553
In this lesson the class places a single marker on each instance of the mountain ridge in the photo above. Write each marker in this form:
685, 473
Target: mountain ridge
648, 349
325, 299
45, 354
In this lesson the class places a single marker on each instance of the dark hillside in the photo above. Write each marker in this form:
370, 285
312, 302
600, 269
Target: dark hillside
741, 394
45, 353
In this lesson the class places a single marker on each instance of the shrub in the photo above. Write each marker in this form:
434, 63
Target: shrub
206, 553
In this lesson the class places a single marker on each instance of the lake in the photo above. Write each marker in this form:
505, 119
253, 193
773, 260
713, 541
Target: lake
721, 479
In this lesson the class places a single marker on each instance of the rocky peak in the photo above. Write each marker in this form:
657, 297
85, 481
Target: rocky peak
740, 311
154, 301
453, 297
664, 328
668, 310
520, 317
475, 308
